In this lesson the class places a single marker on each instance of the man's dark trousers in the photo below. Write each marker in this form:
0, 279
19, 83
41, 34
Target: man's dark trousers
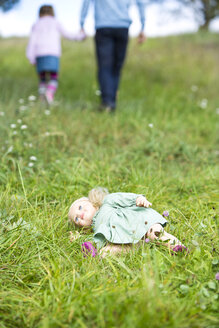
111, 45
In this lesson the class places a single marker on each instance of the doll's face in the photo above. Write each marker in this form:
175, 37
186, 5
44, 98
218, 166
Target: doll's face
82, 212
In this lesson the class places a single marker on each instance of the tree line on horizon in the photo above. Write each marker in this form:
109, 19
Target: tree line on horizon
204, 10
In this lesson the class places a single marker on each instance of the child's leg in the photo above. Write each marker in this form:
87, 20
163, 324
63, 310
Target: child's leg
52, 87
42, 84
157, 232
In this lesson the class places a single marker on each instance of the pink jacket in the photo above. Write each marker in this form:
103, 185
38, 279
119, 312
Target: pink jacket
45, 38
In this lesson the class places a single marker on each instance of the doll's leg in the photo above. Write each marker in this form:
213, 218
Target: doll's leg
157, 232
113, 249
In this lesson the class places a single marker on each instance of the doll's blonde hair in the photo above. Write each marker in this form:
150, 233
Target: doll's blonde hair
96, 196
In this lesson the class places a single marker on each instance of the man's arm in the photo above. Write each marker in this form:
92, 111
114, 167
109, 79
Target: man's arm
84, 11
141, 8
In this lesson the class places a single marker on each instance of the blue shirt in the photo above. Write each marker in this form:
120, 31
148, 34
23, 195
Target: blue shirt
112, 13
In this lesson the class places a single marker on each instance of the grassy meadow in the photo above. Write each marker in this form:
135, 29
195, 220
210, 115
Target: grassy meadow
162, 142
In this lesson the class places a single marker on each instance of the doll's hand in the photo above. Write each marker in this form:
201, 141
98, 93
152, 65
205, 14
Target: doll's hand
73, 237
141, 201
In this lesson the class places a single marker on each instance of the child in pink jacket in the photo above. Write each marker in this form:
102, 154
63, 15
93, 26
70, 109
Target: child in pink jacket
44, 50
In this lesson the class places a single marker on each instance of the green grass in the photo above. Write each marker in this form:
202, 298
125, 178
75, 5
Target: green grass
45, 281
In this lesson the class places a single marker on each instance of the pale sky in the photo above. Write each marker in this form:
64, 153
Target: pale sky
18, 22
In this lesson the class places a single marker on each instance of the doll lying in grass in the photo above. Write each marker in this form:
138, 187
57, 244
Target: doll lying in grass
120, 220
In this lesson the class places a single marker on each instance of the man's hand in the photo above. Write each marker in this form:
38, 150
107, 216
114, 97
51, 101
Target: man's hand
141, 38
141, 201
82, 34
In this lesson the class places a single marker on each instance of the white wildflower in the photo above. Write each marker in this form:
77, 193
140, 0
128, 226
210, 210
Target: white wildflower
98, 93
14, 133
194, 88
33, 158
30, 145
47, 112
31, 98
47, 134
30, 164
217, 111
203, 103
23, 108
23, 127
19, 121
13, 126
10, 149
21, 101
151, 125
2, 113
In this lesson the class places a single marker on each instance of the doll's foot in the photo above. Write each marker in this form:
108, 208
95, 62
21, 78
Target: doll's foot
88, 249
180, 248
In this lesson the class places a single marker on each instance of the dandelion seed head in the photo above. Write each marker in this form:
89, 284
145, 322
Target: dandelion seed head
22, 108
33, 158
98, 93
47, 112
10, 149
203, 103
194, 88
31, 98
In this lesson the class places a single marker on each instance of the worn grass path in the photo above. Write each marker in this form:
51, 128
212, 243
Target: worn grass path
161, 142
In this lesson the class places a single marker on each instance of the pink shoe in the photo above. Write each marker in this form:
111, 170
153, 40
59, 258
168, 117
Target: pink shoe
49, 97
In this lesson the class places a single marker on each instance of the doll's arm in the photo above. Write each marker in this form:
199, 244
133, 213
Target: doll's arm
114, 249
121, 199
141, 201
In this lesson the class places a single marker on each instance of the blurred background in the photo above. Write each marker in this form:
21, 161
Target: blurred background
163, 17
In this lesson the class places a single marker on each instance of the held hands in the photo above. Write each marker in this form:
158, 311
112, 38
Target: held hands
141, 38
141, 201
82, 34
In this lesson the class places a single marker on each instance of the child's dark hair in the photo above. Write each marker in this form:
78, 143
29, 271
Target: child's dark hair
46, 10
